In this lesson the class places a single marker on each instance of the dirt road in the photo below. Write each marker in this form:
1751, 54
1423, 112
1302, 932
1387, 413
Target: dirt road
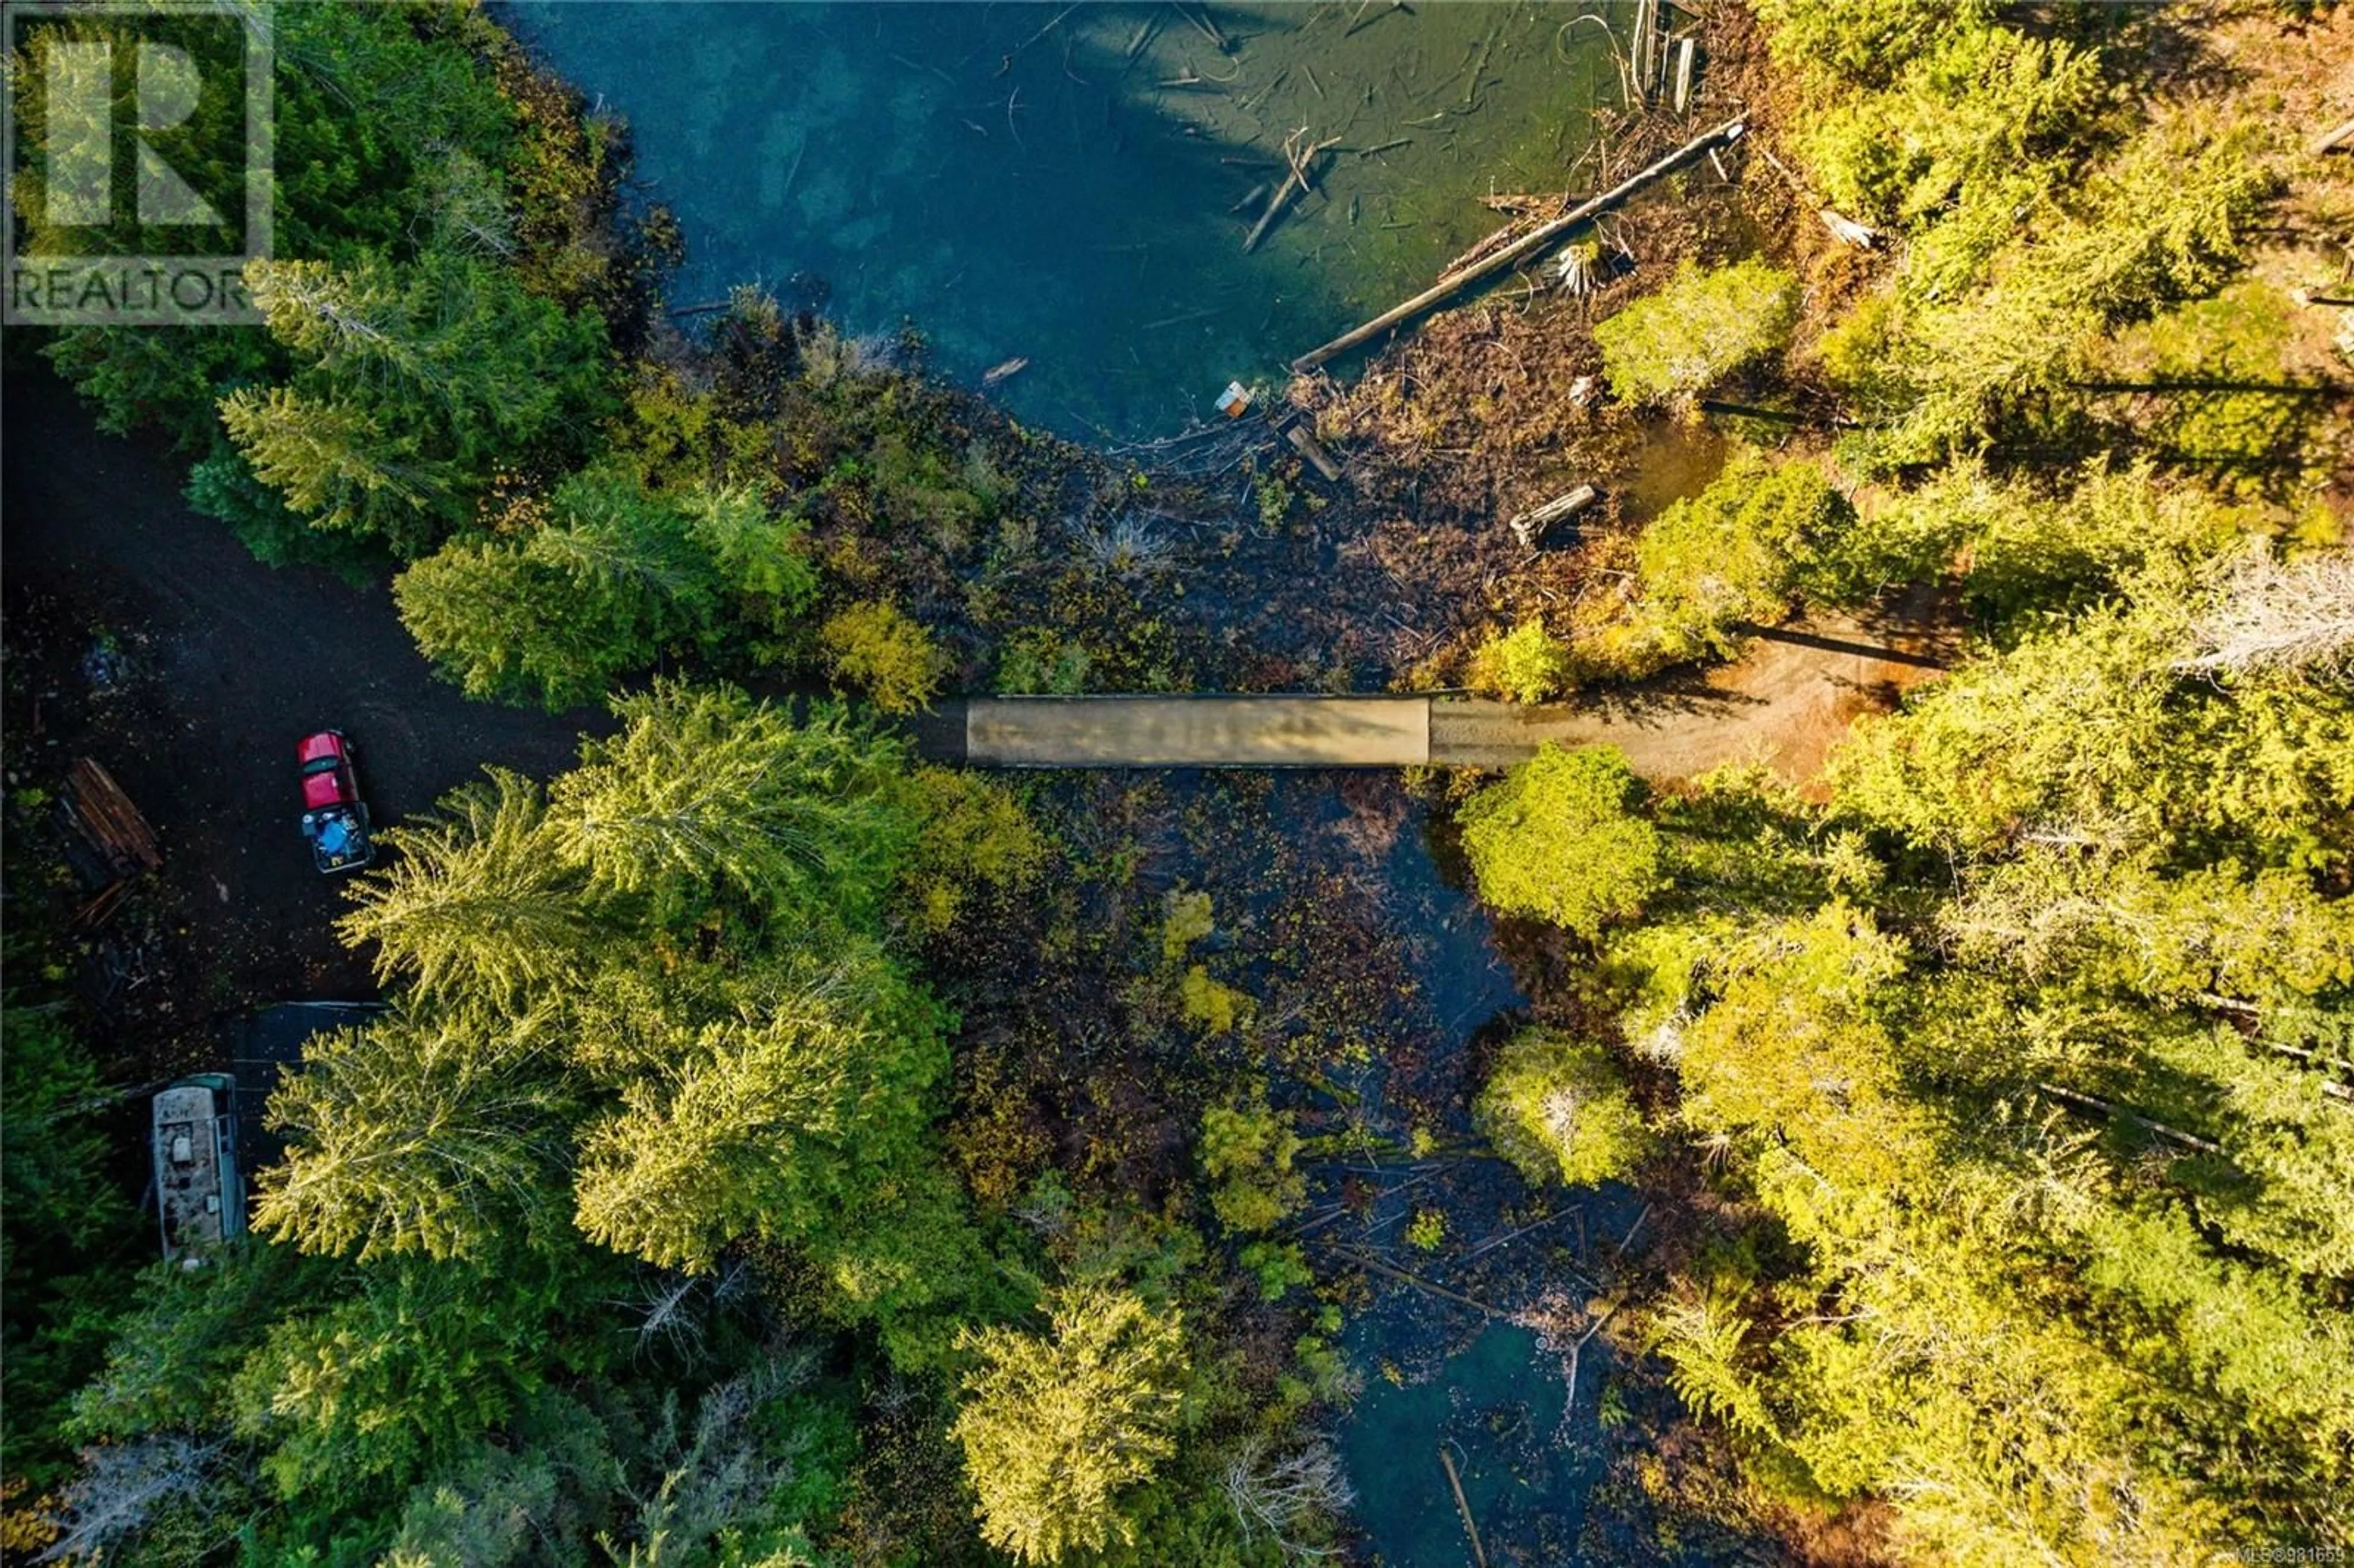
218, 664
1784, 704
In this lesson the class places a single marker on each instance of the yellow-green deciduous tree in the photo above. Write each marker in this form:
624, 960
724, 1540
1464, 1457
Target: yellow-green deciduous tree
1556, 1107
1527, 665
1560, 839
1248, 1150
874, 646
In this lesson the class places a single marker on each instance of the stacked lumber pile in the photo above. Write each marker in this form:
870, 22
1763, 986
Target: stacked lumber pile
94, 806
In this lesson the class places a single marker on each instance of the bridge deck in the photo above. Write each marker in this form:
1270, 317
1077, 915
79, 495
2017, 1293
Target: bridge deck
1197, 732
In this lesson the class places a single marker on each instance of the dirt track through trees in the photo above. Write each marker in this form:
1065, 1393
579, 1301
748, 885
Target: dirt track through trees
223, 664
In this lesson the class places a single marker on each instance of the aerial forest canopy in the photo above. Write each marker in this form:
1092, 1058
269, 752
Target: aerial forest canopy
775, 1149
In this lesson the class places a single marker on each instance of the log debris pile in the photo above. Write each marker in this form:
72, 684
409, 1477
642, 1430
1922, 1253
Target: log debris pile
94, 806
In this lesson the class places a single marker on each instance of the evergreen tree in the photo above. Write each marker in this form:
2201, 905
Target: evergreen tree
1557, 1108
476, 906
1058, 1426
416, 1134
705, 790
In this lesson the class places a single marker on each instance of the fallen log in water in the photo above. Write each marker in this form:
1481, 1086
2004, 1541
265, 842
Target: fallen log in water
1528, 244
1303, 171
1463, 1507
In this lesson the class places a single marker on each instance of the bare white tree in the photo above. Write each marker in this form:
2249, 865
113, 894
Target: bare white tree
1282, 1495
121, 1485
1122, 547
729, 1463
468, 210
664, 1311
2269, 614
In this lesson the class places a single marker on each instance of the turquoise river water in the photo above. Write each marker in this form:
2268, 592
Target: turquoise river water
1074, 187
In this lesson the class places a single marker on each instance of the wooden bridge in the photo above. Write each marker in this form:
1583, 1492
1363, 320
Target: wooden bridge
1783, 707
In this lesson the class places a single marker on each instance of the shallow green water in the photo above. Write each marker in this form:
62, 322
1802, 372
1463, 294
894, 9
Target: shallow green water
1074, 187
1496, 1405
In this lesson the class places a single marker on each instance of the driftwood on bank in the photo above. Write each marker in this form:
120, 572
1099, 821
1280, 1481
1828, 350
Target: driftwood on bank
1649, 37
1314, 451
1528, 244
1529, 527
2338, 140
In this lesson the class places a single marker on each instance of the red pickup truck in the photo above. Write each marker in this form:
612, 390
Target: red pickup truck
334, 819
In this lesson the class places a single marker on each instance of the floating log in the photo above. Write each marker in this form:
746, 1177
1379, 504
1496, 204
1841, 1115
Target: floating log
1651, 61
1388, 1271
1463, 1507
1359, 20
1646, 21
1529, 527
1536, 239
1314, 451
1005, 370
94, 805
